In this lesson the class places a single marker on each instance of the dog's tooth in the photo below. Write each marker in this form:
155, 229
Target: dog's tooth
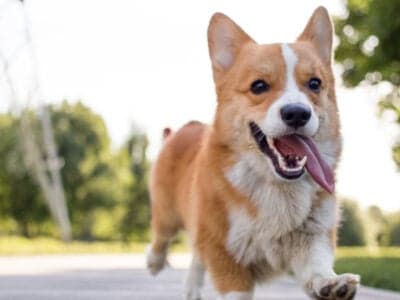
270, 143
281, 160
303, 161
285, 168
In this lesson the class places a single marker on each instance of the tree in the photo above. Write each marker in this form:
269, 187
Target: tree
369, 49
106, 190
394, 228
135, 221
378, 229
89, 174
369, 44
88, 171
395, 235
20, 197
351, 230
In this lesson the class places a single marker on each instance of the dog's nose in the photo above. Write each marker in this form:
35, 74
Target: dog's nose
295, 114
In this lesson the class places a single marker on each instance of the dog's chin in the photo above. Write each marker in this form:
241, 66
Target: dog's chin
285, 167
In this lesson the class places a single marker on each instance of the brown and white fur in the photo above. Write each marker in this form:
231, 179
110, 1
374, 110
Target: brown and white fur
246, 223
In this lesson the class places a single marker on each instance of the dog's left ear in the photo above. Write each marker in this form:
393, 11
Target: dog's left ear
319, 31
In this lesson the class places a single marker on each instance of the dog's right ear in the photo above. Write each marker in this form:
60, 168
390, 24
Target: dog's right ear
225, 39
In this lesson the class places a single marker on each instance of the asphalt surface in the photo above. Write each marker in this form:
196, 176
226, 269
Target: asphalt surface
117, 277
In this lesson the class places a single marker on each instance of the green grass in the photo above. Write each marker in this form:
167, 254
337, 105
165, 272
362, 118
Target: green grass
378, 267
22, 246
368, 252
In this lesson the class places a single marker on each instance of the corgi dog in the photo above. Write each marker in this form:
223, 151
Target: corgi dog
255, 189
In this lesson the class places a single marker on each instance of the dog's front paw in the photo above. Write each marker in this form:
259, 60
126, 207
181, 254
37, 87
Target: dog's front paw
340, 287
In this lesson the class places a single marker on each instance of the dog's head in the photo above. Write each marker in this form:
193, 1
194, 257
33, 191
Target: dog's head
277, 99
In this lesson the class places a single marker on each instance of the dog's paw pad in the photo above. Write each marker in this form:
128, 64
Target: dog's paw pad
342, 291
325, 291
341, 287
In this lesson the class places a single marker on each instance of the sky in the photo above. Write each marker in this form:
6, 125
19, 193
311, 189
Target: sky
145, 64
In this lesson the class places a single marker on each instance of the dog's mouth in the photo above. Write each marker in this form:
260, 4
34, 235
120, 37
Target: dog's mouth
292, 154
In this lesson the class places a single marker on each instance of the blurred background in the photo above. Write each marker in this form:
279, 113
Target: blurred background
86, 88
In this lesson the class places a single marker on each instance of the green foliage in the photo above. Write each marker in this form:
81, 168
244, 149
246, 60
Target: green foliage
369, 49
105, 189
395, 235
392, 103
20, 198
394, 228
135, 221
369, 52
88, 172
351, 230
369, 44
378, 227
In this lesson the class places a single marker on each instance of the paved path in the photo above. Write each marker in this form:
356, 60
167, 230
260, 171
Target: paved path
120, 277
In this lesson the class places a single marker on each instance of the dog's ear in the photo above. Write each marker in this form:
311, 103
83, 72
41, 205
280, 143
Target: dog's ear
319, 31
225, 39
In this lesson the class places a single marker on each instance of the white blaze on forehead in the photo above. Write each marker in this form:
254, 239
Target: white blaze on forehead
290, 61
273, 124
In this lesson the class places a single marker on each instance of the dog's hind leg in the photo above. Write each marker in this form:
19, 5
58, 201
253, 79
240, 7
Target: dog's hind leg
157, 255
158, 250
164, 226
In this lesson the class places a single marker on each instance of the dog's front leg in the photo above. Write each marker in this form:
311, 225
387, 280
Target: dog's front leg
232, 280
312, 262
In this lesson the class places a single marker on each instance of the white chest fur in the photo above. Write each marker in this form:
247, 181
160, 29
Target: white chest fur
283, 207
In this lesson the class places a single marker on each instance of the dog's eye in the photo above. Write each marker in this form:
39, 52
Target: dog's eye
314, 84
259, 86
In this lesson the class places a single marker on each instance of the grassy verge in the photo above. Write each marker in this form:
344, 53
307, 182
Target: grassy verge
378, 267
23, 246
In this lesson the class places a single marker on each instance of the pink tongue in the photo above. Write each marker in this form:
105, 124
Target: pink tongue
316, 165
